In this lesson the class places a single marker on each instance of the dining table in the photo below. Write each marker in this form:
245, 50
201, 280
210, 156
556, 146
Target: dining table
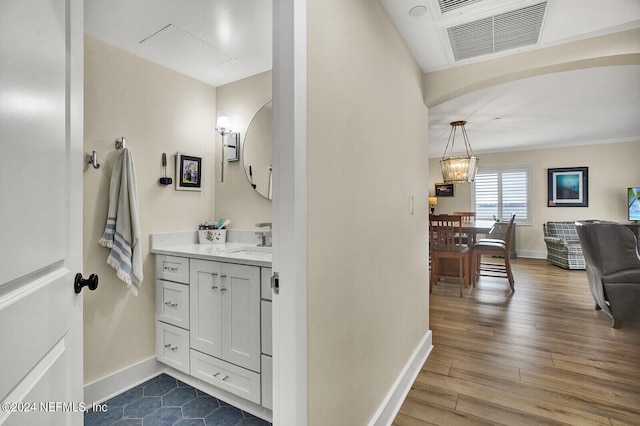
472, 229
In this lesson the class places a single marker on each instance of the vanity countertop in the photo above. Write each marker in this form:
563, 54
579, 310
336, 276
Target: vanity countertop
232, 252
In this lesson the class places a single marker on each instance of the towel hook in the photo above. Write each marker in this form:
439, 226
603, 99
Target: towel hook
121, 144
93, 160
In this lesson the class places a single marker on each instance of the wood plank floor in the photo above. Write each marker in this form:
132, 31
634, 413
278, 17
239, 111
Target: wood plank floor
541, 355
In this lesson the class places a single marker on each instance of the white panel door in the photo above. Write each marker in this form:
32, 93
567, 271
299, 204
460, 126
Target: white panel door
241, 315
41, 83
205, 293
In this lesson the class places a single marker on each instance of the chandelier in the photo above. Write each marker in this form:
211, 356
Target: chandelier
461, 169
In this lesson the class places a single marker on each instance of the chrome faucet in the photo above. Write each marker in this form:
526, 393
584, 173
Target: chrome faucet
264, 237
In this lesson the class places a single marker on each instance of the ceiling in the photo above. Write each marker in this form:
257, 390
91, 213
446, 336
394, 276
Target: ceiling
220, 41
588, 106
596, 105
215, 41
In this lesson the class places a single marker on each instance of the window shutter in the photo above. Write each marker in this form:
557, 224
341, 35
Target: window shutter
501, 192
486, 185
514, 195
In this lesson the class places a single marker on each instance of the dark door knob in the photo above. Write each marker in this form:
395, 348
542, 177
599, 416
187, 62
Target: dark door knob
79, 282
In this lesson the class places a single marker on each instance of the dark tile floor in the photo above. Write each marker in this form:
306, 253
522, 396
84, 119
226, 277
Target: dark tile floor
164, 400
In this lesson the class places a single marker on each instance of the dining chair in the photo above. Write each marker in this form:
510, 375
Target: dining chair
466, 217
447, 250
495, 248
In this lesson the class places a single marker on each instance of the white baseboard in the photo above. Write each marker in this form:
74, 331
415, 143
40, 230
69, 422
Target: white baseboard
532, 254
395, 397
120, 381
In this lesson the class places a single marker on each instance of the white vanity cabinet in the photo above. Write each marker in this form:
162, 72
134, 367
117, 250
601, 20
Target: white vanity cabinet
213, 322
225, 311
172, 312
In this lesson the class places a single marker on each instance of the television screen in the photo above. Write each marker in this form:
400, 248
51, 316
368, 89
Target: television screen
633, 199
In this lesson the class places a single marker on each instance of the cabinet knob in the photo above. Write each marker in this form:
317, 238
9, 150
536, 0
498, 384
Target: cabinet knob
223, 289
213, 287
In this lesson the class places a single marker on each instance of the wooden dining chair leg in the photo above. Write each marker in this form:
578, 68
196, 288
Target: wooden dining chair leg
467, 276
471, 263
507, 264
474, 268
432, 275
461, 274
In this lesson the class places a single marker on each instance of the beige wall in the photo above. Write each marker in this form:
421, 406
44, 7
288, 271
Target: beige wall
612, 168
157, 110
367, 256
235, 199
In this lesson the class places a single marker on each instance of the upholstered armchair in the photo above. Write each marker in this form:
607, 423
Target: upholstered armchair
563, 246
613, 268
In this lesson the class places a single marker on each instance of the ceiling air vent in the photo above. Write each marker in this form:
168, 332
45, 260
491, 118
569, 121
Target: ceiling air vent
505, 31
449, 5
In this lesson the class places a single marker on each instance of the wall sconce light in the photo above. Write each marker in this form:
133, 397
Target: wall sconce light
222, 127
432, 202
458, 169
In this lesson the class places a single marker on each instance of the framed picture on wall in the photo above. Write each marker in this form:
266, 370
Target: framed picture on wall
444, 190
188, 172
568, 187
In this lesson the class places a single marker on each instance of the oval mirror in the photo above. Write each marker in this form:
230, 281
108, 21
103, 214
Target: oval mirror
256, 151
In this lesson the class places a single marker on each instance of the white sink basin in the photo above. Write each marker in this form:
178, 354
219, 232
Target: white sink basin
255, 253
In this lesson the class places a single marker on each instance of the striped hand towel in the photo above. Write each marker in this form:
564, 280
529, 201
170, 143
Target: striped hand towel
122, 232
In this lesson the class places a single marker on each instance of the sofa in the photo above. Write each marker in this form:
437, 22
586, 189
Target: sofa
563, 245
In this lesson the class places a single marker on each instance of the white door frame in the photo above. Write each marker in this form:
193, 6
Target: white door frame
289, 212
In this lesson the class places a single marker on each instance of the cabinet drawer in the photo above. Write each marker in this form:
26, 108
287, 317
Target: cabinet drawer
172, 268
265, 326
172, 346
267, 382
233, 379
265, 283
172, 303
